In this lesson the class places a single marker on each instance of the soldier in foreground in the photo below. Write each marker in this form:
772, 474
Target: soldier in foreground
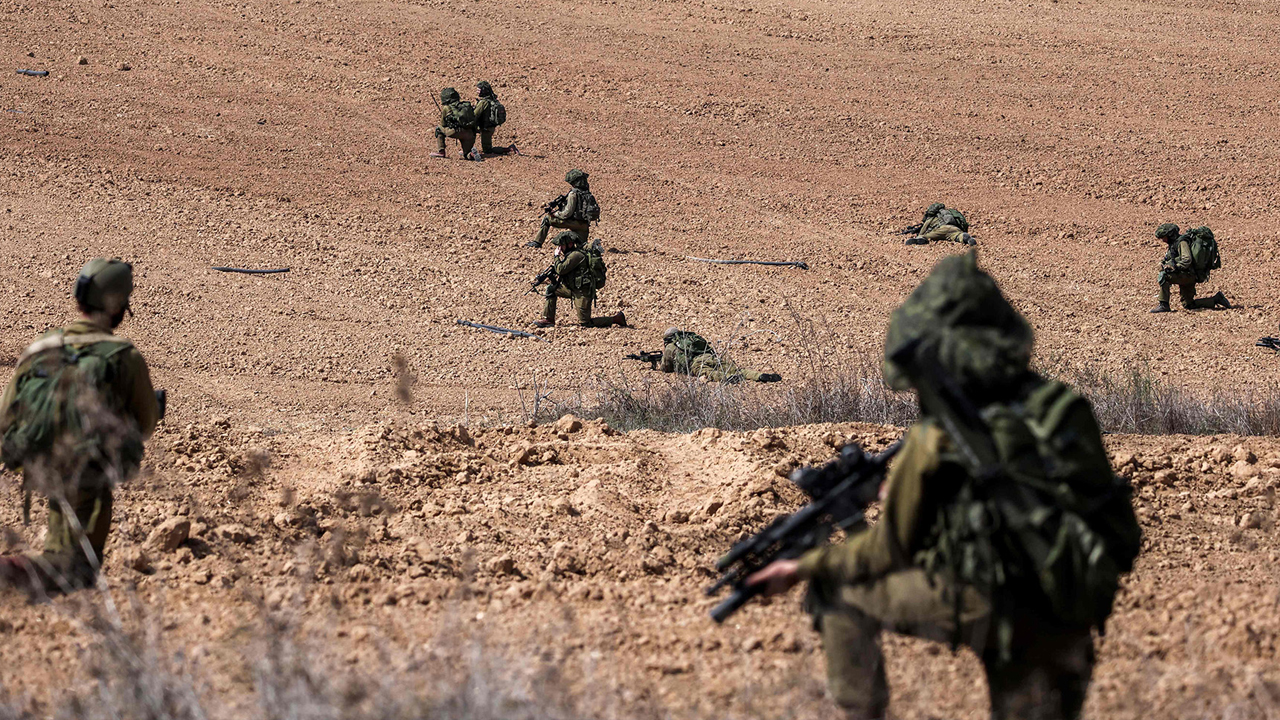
577, 272
490, 114
941, 223
457, 121
690, 354
74, 417
575, 210
1003, 526
1188, 260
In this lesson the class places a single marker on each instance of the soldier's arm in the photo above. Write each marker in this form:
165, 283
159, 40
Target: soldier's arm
891, 542
565, 267
570, 207
1184, 261
141, 395
669, 358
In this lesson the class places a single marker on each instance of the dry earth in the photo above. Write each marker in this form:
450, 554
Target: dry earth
296, 134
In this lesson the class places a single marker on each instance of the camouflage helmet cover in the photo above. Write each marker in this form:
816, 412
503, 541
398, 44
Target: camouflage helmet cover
484, 87
568, 236
576, 177
670, 334
105, 285
1167, 231
449, 96
959, 312
933, 209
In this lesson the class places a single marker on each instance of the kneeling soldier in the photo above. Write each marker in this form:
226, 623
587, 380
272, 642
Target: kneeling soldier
575, 279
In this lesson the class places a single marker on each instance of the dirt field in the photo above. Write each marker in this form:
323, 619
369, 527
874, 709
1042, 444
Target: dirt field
296, 135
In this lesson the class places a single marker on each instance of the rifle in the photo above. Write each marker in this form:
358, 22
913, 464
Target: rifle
840, 491
912, 230
1269, 343
548, 275
653, 357
555, 204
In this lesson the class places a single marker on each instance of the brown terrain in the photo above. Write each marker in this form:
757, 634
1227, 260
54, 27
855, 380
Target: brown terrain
258, 134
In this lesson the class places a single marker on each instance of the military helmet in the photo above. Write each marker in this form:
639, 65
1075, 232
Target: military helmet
959, 314
670, 334
448, 96
484, 87
933, 209
1167, 231
105, 285
576, 178
568, 236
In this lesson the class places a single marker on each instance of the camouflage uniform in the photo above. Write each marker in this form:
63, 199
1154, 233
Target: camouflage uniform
876, 580
564, 218
486, 131
576, 284
85, 489
706, 364
465, 136
936, 227
1178, 268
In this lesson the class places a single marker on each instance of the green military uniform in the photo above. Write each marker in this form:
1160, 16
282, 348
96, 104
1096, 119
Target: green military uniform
448, 127
942, 223
883, 578
79, 490
1178, 268
575, 283
568, 217
486, 124
677, 358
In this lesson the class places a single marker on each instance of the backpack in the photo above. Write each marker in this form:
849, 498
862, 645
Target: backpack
1056, 530
951, 216
595, 264
1204, 251
494, 114
461, 116
692, 344
64, 410
587, 210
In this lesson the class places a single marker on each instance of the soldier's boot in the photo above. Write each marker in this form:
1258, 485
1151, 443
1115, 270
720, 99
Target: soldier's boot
1221, 301
437, 154
917, 240
967, 239
544, 323
513, 149
620, 319
769, 378
1162, 307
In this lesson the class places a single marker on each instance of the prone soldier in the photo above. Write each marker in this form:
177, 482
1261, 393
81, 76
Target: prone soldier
941, 223
690, 354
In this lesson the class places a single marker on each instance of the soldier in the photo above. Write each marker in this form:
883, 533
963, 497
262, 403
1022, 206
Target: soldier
690, 353
575, 210
576, 280
1180, 268
489, 115
942, 223
950, 559
74, 419
457, 121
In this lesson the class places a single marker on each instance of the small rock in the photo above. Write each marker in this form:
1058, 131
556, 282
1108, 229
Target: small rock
136, 559
1243, 470
547, 457
1123, 460
168, 535
522, 455
1243, 454
235, 533
124, 66
1219, 455
503, 565
1166, 478
82, 60
568, 424
712, 507
562, 506
752, 644
678, 517
201, 577
1251, 520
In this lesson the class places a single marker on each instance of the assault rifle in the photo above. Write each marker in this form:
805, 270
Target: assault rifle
548, 275
912, 230
1269, 343
840, 490
653, 357
556, 204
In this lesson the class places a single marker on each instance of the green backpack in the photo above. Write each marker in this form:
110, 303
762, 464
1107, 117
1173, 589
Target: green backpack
692, 344
1054, 532
461, 116
1204, 251
587, 209
63, 409
595, 264
494, 115
951, 216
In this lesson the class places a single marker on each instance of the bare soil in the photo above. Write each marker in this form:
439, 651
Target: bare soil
259, 134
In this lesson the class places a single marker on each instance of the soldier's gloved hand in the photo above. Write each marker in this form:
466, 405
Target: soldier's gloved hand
778, 577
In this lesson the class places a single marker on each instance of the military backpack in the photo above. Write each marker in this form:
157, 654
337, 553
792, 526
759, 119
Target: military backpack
587, 210
951, 216
597, 271
691, 344
460, 115
66, 410
1204, 251
494, 114
1055, 530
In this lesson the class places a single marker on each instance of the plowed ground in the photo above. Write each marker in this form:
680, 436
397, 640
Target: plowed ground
258, 134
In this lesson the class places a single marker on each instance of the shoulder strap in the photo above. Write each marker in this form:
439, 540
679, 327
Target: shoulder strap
61, 339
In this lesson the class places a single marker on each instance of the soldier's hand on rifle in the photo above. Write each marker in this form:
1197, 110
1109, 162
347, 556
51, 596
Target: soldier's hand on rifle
777, 577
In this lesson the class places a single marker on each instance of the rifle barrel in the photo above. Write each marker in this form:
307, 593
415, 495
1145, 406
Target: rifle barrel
741, 596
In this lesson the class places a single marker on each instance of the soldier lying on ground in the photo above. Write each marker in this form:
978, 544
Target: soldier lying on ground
942, 223
690, 353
